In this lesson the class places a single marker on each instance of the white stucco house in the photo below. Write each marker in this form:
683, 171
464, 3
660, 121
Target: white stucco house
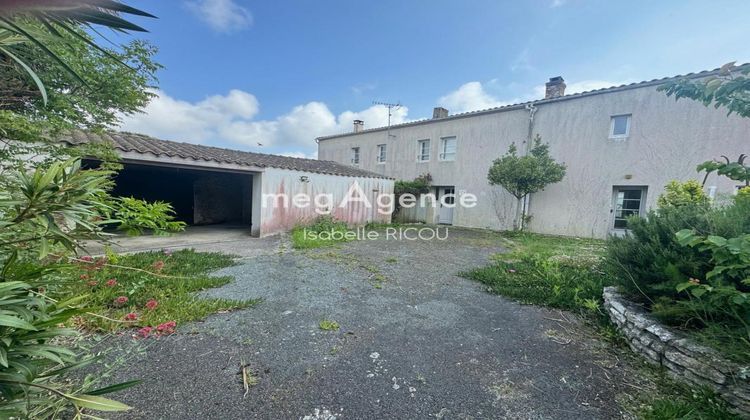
621, 146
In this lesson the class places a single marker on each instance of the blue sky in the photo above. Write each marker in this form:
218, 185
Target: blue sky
271, 76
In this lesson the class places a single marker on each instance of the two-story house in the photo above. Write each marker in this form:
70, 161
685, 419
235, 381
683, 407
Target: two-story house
621, 146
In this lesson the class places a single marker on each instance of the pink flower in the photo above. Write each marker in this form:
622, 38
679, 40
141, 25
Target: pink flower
86, 258
145, 331
92, 283
152, 304
167, 327
131, 316
111, 283
121, 300
158, 265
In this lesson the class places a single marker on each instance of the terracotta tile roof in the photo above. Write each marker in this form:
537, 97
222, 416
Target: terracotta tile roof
139, 143
646, 83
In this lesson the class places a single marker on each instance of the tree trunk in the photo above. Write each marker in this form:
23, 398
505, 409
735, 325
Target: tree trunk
520, 212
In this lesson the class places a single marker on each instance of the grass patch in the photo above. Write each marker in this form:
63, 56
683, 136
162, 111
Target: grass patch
391, 260
324, 231
328, 325
159, 287
678, 401
552, 271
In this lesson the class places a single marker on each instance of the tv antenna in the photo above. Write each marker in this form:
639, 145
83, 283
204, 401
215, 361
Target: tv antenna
391, 107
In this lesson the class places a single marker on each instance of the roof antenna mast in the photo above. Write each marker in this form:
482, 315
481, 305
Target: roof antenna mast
391, 107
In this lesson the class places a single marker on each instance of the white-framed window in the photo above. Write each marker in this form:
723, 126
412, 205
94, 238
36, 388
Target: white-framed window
423, 150
619, 126
355, 155
448, 148
382, 153
627, 201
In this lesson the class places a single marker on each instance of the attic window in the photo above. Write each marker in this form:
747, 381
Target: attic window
619, 126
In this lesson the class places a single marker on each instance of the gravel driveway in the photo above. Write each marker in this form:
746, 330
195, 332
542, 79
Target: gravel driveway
415, 341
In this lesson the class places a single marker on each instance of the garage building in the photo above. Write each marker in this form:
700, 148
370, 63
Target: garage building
211, 185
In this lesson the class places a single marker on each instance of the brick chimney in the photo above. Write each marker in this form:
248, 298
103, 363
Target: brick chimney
554, 88
359, 125
439, 112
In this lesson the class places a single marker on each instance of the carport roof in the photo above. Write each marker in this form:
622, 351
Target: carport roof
143, 144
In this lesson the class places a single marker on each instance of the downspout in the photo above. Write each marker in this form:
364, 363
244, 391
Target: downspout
529, 139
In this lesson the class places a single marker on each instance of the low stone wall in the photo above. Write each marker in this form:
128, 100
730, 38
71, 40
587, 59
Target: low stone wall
683, 358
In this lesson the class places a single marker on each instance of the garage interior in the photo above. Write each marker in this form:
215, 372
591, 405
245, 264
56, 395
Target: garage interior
198, 196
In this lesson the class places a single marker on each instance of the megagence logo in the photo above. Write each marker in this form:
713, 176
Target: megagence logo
324, 203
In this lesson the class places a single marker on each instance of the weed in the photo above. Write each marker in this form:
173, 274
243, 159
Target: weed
391, 260
328, 325
324, 231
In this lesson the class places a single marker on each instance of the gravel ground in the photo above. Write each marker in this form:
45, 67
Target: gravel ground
415, 341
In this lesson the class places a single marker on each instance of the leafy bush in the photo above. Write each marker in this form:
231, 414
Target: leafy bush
690, 264
420, 185
134, 216
42, 214
648, 262
678, 194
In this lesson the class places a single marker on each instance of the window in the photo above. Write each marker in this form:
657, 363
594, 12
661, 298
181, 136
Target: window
619, 127
423, 150
628, 201
381, 153
355, 155
448, 148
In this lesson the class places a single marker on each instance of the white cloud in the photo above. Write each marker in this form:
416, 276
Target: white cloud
229, 119
469, 97
221, 15
472, 96
557, 3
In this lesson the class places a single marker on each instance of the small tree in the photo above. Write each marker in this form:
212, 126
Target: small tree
524, 175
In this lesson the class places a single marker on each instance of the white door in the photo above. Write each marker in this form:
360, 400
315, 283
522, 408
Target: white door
446, 201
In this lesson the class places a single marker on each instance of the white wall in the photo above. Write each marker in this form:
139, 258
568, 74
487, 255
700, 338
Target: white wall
277, 218
667, 141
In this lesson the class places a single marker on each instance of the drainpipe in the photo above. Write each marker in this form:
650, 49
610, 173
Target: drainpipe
529, 139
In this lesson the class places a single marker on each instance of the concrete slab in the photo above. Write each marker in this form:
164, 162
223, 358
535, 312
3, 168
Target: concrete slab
230, 239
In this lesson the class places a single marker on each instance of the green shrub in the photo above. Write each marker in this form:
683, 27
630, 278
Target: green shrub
420, 185
678, 194
690, 265
648, 262
134, 216
42, 214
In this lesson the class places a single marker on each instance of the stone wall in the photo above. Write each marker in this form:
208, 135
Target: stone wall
683, 358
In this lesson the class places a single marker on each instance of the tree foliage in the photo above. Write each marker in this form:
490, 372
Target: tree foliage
730, 88
105, 90
42, 22
524, 175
